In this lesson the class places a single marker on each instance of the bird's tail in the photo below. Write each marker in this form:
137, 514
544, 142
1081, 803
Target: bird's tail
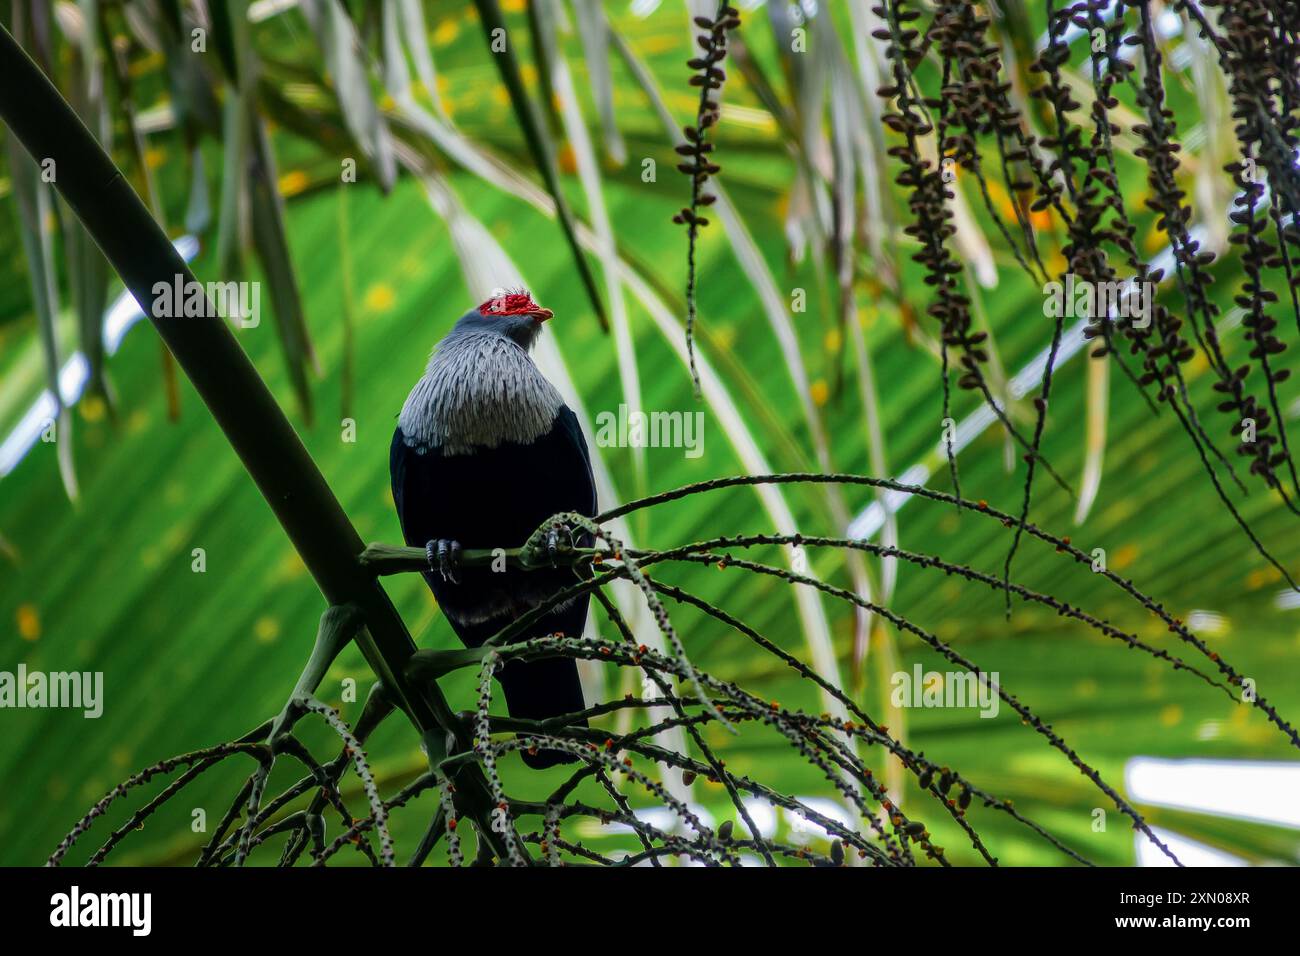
536, 690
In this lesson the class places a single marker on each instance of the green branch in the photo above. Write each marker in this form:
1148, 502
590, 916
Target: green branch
228, 383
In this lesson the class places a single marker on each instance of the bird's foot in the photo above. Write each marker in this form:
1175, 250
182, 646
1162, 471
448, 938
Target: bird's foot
553, 545
559, 543
444, 557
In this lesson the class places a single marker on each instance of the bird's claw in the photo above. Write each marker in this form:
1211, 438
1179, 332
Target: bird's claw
444, 557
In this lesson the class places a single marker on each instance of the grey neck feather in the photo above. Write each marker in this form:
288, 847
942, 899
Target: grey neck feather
480, 389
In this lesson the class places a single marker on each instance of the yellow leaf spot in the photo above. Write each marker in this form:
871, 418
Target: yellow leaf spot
568, 160
92, 408
380, 297
146, 64
820, 392
153, 158
1001, 200
176, 535
446, 32
150, 557
500, 96
1041, 220
512, 6
781, 206
1155, 241
1171, 715
1264, 576
1123, 557
29, 622
1198, 365
834, 340
266, 630
293, 182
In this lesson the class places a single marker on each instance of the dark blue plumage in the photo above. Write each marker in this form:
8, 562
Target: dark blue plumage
492, 495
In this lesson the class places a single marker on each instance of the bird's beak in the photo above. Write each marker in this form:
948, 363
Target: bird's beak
541, 315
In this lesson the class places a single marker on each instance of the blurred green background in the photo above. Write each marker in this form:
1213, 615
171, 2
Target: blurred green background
105, 582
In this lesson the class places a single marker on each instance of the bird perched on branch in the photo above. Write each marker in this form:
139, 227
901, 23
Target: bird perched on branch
484, 452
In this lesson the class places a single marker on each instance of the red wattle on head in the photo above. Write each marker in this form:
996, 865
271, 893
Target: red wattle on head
515, 302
